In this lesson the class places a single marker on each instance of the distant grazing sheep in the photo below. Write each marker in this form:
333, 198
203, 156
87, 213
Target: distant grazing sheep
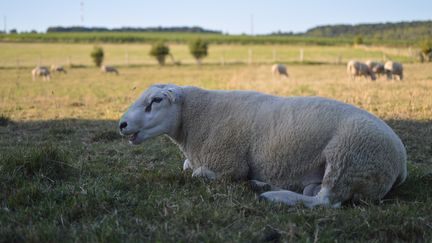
109, 69
41, 72
58, 69
376, 67
309, 150
280, 70
356, 69
393, 69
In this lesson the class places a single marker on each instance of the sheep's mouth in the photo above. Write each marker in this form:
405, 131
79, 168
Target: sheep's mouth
133, 137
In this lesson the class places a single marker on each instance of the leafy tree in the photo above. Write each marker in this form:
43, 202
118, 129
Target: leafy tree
198, 49
97, 55
13, 31
160, 51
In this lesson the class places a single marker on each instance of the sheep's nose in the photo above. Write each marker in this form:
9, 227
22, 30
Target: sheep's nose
123, 125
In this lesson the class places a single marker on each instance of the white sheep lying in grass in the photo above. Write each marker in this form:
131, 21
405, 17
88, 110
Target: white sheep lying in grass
279, 70
109, 69
376, 67
393, 69
356, 68
58, 69
309, 150
40, 71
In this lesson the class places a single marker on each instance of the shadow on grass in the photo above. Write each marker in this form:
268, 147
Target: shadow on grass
64, 175
69, 136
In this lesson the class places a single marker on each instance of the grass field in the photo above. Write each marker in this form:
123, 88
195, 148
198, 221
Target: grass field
32, 54
66, 174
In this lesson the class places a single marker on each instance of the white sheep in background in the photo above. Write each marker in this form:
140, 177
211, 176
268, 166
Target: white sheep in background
109, 69
376, 67
58, 69
311, 150
393, 69
40, 71
356, 68
280, 70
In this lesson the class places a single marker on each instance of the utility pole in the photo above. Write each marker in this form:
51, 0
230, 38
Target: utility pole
5, 24
252, 24
82, 11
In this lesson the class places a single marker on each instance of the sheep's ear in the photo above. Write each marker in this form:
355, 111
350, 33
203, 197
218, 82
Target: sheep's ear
172, 95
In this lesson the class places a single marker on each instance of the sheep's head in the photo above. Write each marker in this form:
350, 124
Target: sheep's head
156, 112
378, 69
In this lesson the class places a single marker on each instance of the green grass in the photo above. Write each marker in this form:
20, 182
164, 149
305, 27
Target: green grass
77, 188
66, 174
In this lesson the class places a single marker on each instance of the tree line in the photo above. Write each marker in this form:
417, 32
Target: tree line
184, 29
414, 30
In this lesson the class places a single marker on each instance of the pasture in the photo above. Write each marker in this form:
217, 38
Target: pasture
66, 174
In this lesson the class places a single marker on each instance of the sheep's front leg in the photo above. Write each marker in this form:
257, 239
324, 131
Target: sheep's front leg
292, 198
203, 172
187, 165
312, 189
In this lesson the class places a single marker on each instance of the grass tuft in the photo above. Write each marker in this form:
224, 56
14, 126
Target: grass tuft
4, 120
77, 104
46, 161
105, 136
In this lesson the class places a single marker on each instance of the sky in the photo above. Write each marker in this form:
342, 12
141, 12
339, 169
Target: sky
228, 16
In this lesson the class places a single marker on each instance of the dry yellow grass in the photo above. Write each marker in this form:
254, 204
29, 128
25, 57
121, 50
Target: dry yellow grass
87, 93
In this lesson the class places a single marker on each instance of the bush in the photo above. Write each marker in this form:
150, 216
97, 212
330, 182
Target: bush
160, 51
358, 40
425, 50
426, 46
198, 49
97, 55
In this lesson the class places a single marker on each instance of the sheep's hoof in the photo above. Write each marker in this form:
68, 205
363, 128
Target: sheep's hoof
204, 173
187, 165
258, 186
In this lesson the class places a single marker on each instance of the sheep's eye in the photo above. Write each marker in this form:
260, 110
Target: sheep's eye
148, 108
157, 100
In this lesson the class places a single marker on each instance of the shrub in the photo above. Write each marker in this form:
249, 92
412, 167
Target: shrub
159, 50
425, 50
198, 49
97, 55
426, 46
358, 40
